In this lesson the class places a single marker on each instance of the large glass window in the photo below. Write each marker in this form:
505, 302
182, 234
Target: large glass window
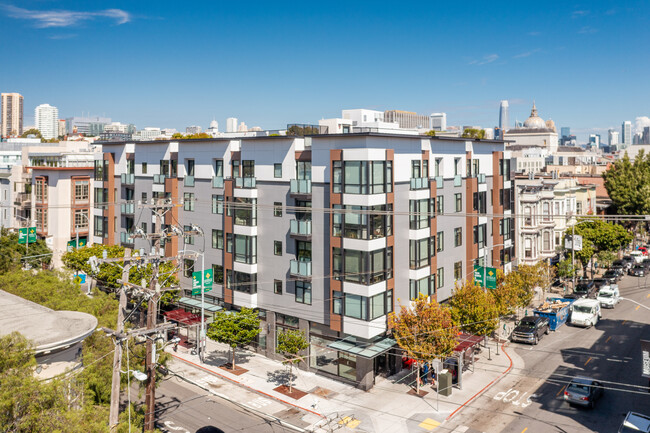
245, 249
367, 308
420, 252
337, 176
425, 286
363, 267
420, 213
217, 204
241, 282
217, 239
188, 201
303, 292
366, 177
362, 222
217, 274
81, 190
245, 210
248, 168
303, 170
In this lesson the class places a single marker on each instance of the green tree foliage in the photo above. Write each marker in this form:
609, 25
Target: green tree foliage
30, 405
430, 133
235, 328
199, 136
506, 296
425, 331
473, 309
597, 236
11, 252
299, 131
290, 344
628, 185
109, 273
526, 278
474, 133
565, 268
605, 258
35, 132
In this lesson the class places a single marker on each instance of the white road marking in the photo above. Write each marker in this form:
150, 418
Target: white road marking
259, 402
511, 395
170, 425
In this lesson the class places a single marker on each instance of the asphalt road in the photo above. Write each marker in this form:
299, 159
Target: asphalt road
530, 398
185, 408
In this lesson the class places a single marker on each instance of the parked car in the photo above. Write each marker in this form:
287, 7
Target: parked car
643, 250
646, 263
600, 282
637, 270
585, 289
585, 312
530, 329
583, 391
608, 296
611, 276
620, 268
637, 256
622, 263
635, 423
629, 259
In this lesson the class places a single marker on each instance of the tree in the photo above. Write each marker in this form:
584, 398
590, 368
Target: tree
473, 309
12, 253
628, 184
424, 331
506, 296
605, 258
290, 343
474, 133
32, 131
526, 278
565, 269
430, 133
598, 235
235, 328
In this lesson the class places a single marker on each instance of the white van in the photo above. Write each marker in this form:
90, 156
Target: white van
585, 312
608, 296
637, 256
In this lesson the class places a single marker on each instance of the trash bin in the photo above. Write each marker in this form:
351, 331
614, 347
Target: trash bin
444, 383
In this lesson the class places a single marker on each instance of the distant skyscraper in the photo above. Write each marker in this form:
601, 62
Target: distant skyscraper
47, 120
193, 130
626, 133
407, 119
504, 120
231, 124
11, 114
565, 131
86, 125
612, 137
594, 140
646, 135
438, 121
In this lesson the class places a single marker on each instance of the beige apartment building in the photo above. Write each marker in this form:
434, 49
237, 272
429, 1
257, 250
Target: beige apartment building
11, 116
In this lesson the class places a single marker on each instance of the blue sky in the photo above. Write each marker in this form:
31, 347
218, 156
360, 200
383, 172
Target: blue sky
173, 64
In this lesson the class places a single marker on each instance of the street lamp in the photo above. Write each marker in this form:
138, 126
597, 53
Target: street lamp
199, 231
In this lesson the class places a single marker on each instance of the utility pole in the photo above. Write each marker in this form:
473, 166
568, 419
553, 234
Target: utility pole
573, 254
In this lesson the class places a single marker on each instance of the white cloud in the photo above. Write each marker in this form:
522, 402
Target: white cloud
485, 60
579, 13
640, 123
63, 18
586, 30
525, 54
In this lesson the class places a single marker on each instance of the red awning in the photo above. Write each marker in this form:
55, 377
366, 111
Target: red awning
181, 316
465, 341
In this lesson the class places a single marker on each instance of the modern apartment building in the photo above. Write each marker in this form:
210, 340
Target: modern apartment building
323, 233
407, 119
47, 120
11, 114
548, 205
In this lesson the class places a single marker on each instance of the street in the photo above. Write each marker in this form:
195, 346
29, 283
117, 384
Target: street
185, 408
530, 397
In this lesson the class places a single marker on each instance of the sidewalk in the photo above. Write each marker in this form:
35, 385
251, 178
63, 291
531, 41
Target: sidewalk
329, 404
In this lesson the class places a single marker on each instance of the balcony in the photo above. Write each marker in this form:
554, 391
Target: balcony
300, 187
188, 181
300, 229
23, 199
419, 183
440, 182
458, 180
300, 269
217, 182
245, 182
127, 208
481, 178
159, 179
127, 178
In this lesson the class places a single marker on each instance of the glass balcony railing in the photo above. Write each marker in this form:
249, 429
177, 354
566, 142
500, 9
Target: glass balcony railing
300, 186
188, 181
128, 208
245, 182
300, 268
458, 180
127, 178
217, 182
481, 178
300, 228
159, 179
440, 182
419, 183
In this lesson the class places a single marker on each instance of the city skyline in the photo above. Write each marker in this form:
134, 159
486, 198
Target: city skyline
520, 63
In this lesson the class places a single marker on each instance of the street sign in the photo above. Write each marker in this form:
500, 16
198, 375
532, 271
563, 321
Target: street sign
71, 246
31, 236
82, 243
490, 276
80, 278
196, 281
569, 243
22, 235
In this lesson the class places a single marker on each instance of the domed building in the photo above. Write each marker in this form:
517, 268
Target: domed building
534, 132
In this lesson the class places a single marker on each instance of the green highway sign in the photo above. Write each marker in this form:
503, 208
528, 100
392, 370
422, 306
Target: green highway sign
22, 235
82, 243
71, 245
490, 275
31, 235
196, 281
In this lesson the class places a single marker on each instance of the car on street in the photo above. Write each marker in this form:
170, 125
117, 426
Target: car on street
635, 423
646, 263
583, 391
622, 264
600, 282
637, 270
619, 267
629, 259
637, 256
611, 276
608, 296
585, 312
530, 329
585, 289
643, 250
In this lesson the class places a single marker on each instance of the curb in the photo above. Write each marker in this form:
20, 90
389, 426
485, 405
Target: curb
503, 348
244, 386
